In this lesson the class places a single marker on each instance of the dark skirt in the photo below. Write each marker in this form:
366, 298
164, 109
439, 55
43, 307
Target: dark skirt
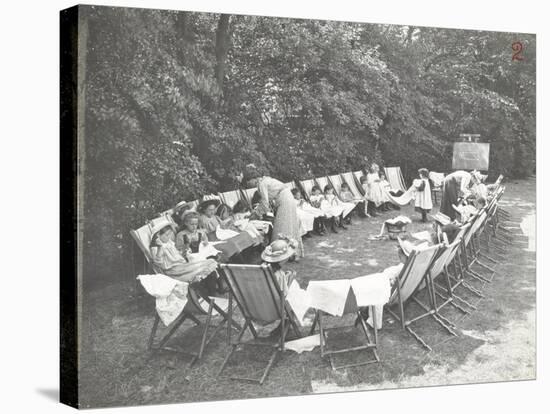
449, 197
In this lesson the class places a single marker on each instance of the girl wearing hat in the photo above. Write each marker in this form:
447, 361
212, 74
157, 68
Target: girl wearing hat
172, 263
274, 192
276, 254
208, 220
423, 198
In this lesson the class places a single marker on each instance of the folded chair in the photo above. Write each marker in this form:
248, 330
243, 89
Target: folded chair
415, 271
230, 198
261, 300
196, 305
370, 340
395, 178
439, 270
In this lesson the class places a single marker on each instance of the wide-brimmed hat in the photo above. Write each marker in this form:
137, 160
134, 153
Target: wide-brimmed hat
278, 251
205, 203
161, 224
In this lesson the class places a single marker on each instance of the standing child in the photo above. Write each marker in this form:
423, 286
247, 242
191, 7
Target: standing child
423, 199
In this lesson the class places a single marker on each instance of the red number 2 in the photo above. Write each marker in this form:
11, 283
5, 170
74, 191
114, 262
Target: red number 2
517, 47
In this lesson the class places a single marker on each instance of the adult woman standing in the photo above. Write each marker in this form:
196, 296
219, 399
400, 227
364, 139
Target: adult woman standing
274, 192
458, 184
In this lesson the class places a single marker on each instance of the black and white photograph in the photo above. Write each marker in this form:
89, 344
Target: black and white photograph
264, 206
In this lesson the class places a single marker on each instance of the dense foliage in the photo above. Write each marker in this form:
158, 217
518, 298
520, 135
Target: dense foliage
177, 103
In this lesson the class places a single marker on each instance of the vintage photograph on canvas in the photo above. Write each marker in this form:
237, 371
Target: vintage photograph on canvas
269, 206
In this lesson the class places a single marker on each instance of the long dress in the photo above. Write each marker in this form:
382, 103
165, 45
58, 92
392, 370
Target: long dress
423, 197
375, 192
286, 216
455, 186
306, 218
172, 263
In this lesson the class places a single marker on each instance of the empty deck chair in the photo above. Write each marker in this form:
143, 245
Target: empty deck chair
415, 271
395, 178
196, 305
439, 270
230, 198
261, 300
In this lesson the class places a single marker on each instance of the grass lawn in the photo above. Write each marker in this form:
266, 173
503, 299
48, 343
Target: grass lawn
495, 343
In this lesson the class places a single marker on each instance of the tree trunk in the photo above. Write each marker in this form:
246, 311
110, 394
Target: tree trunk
223, 40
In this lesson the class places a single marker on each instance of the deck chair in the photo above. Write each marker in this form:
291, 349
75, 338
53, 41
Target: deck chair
195, 307
439, 270
291, 184
322, 182
351, 181
395, 178
261, 300
370, 339
230, 198
306, 186
415, 271
248, 193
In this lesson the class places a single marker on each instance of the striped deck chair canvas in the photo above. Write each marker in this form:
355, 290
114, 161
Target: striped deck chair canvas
414, 272
248, 194
261, 300
230, 198
291, 184
307, 185
337, 181
395, 178
351, 180
322, 182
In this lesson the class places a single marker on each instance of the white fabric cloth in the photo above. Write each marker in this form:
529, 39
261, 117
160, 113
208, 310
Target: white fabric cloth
423, 199
371, 289
170, 295
329, 295
307, 343
224, 234
299, 301
437, 178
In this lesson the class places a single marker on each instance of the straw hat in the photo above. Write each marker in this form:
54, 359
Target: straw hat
279, 250
161, 224
205, 203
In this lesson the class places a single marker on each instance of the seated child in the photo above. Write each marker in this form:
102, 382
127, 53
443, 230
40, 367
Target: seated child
190, 237
331, 213
335, 203
209, 221
276, 254
347, 197
309, 216
201, 273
